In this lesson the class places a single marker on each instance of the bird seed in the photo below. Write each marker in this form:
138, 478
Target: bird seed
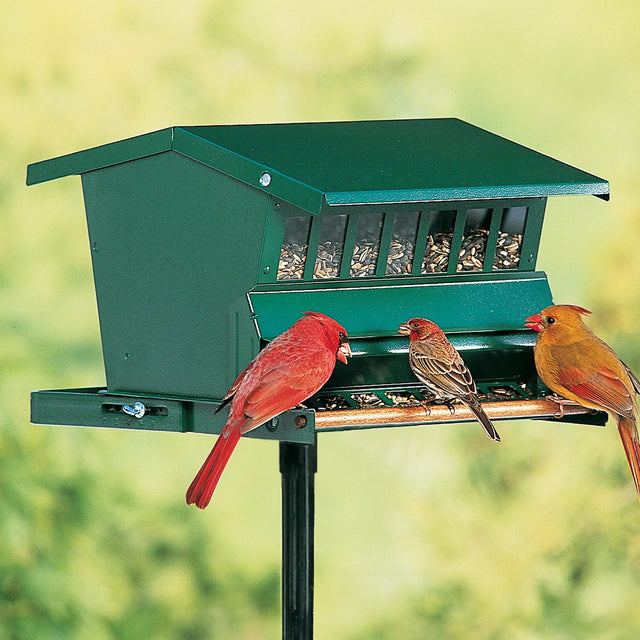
364, 259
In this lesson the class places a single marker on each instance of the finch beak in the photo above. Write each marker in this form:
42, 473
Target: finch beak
344, 350
404, 329
534, 322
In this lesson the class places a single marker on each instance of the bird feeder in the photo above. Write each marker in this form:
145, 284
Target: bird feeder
209, 241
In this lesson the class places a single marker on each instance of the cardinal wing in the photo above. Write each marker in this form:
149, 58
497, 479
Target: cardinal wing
599, 384
634, 381
283, 385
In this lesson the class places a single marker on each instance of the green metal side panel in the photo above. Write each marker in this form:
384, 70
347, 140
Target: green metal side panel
347, 163
459, 304
171, 263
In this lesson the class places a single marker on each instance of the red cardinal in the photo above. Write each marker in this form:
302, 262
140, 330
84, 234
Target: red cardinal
574, 363
290, 369
440, 368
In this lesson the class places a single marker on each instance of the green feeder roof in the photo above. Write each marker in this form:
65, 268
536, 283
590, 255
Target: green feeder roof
350, 163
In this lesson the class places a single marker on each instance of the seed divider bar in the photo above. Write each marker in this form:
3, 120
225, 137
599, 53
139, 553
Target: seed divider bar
385, 244
456, 240
312, 248
421, 243
349, 244
492, 238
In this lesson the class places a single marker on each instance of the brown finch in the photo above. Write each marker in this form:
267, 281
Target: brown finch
574, 363
440, 368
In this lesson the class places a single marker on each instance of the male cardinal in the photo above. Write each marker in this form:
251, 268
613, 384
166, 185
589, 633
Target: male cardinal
574, 363
290, 369
441, 369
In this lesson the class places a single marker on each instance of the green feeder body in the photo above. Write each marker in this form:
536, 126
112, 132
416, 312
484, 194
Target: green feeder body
208, 241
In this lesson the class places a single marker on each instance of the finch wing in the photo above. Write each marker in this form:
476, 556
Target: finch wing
442, 365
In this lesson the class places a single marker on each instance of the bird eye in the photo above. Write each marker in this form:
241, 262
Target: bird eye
342, 336
550, 320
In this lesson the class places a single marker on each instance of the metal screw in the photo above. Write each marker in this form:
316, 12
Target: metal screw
272, 425
300, 421
137, 411
265, 179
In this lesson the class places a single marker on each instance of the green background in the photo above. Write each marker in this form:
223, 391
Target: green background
421, 532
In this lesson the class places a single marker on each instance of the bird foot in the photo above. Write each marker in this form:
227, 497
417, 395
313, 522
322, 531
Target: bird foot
561, 402
426, 406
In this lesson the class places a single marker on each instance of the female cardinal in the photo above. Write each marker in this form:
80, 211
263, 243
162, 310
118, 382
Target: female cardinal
290, 369
574, 363
440, 368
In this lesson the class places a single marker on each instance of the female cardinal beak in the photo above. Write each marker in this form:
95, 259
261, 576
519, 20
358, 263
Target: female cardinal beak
344, 350
534, 322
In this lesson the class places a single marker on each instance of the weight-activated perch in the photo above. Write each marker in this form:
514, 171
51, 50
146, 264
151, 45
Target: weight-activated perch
441, 369
290, 369
574, 363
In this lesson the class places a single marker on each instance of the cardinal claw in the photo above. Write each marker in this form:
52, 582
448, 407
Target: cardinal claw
451, 408
561, 402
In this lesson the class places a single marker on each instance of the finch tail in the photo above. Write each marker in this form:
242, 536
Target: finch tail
203, 485
629, 436
483, 419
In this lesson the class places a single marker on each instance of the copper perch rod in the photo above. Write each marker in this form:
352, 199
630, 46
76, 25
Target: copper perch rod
510, 409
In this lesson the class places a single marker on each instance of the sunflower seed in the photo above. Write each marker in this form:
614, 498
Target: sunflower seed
364, 258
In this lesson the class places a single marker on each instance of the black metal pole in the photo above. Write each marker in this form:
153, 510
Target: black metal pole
298, 464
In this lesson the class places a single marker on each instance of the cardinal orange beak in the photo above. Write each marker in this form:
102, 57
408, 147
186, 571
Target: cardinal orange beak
344, 350
534, 322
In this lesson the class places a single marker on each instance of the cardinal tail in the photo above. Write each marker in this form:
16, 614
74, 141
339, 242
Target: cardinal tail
483, 419
203, 485
629, 435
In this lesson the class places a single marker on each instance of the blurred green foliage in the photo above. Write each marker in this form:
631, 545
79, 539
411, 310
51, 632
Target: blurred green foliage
420, 532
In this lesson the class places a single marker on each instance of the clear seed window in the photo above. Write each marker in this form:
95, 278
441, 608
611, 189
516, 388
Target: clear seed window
438, 249
330, 247
403, 244
509, 244
358, 245
367, 245
474, 240
293, 254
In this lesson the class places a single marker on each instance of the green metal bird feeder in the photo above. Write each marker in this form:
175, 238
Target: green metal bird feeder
208, 241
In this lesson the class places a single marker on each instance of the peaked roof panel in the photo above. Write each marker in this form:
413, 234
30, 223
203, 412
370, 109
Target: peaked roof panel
358, 162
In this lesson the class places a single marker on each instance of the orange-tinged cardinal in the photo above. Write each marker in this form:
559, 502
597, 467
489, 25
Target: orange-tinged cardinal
574, 363
442, 370
290, 369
